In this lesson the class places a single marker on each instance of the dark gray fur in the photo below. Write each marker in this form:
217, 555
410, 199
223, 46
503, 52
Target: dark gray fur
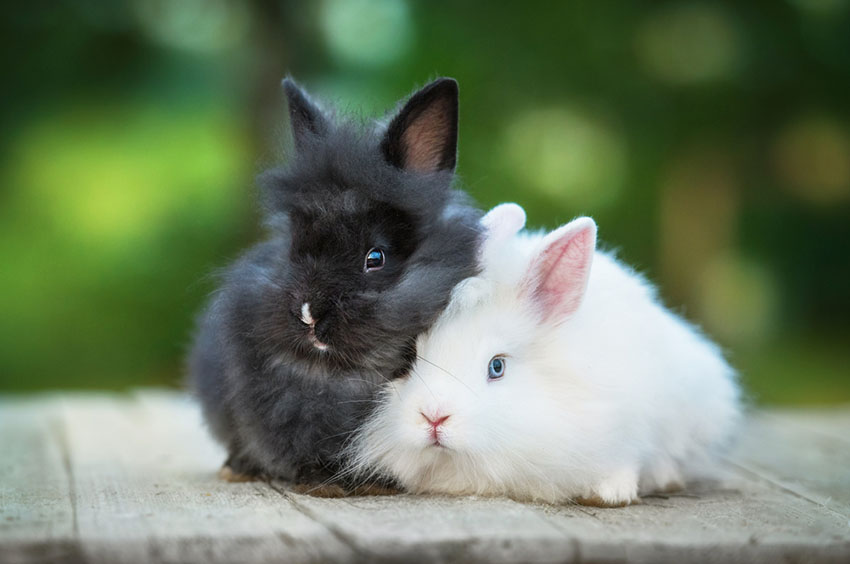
280, 406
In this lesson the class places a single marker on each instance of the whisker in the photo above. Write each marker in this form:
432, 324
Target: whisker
438, 367
370, 400
424, 383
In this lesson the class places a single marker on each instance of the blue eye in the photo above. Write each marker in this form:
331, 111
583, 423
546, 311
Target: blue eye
497, 368
374, 260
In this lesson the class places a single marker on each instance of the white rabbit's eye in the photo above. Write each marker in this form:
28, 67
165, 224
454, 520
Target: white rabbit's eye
496, 369
374, 260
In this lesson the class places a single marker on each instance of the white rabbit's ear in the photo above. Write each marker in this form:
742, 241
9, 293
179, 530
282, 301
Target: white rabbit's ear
500, 224
557, 277
503, 221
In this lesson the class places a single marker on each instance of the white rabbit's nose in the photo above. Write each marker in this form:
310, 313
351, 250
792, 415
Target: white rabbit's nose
435, 420
436, 435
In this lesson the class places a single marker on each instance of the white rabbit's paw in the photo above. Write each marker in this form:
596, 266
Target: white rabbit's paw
662, 477
617, 490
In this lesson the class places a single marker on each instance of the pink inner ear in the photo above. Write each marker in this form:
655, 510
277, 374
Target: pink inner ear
425, 139
561, 271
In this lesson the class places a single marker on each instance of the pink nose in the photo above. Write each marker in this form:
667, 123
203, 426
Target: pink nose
436, 421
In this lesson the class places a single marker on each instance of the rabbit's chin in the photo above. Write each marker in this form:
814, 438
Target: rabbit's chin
302, 350
438, 469
447, 471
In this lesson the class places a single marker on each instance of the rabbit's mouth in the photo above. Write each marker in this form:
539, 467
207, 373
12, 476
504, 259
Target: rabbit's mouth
311, 336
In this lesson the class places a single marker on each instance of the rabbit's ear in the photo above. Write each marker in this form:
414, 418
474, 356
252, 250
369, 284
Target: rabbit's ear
305, 118
500, 224
557, 278
423, 135
503, 221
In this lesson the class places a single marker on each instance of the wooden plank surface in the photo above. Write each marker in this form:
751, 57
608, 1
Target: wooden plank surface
146, 486
107, 478
805, 454
37, 518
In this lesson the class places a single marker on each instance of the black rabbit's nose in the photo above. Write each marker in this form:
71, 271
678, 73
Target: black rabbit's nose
322, 327
307, 315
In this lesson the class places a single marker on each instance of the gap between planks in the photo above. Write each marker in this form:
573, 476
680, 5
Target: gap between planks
101, 442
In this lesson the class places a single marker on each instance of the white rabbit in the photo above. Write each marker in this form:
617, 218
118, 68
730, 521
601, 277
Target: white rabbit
554, 375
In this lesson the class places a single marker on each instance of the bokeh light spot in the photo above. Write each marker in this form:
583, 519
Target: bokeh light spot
738, 300
820, 7
106, 216
566, 154
699, 214
115, 179
367, 32
811, 157
689, 44
194, 25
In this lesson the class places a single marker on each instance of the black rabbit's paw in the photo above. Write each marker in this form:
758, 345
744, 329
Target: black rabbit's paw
229, 475
375, 490
320, 490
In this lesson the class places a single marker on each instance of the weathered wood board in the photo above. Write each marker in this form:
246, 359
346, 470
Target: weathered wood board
132, 478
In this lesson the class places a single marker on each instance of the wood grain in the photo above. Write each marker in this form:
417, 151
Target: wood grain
37, 515
132, 478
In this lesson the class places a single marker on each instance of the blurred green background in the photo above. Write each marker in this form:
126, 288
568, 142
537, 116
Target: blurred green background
711, 140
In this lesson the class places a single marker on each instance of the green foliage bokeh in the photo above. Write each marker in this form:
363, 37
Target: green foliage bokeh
711, 141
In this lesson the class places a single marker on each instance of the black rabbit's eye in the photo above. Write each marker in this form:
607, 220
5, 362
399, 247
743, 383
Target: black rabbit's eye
496, 369
374, 260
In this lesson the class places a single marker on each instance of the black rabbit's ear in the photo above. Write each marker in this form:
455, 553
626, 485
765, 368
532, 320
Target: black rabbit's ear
423, 136
304, 116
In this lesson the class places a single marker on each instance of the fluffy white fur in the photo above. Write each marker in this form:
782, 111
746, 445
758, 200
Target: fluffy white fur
616, 397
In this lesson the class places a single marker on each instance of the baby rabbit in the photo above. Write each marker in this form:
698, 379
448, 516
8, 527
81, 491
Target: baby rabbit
367, 238
555, 375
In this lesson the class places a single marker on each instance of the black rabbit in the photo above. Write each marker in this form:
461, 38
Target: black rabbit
367, 241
